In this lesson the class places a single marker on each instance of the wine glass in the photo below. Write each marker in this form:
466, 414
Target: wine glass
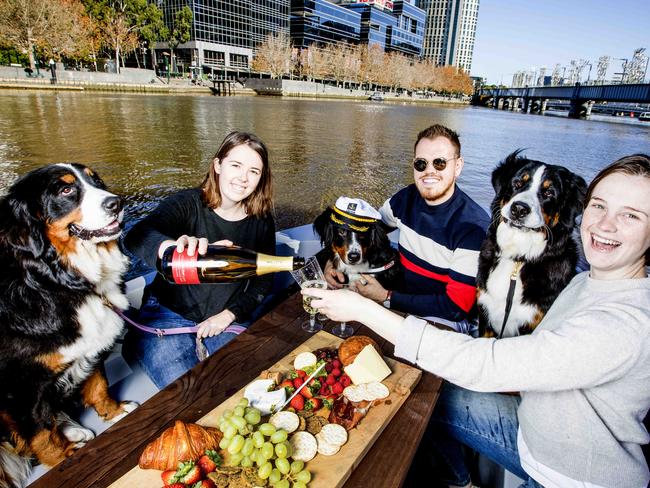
310, 276
343, 329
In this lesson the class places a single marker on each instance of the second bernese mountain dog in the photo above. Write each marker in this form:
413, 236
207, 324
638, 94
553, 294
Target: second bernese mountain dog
61, 285
356, 242
529, 254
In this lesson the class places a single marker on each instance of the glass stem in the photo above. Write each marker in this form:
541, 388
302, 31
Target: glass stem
312, 320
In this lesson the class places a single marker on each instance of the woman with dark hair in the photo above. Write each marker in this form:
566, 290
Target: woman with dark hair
583, 374
233, 205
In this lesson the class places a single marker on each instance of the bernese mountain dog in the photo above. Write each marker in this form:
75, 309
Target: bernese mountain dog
62, 284
356, 242
529, 254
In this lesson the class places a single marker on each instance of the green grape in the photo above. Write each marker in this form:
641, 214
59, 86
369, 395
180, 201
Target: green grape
267, 429
224, 443
246, 462
244, 430
229, 431
243, 402
265, 470
227, 414
236, 444
253, 417
297, 466
267, 450
258, 439
235, 459
298, 484
303, 476
281, 450
238, 411
275, 476
248, 447
253, 455
283, 465
282, 484
238, 421
260, 461
279, 436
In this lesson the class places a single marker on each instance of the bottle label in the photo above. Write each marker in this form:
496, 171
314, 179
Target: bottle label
184, 268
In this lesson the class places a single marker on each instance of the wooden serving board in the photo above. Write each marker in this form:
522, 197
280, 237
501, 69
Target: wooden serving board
327, 471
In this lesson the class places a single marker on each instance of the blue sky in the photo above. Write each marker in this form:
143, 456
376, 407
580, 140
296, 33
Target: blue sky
519, 35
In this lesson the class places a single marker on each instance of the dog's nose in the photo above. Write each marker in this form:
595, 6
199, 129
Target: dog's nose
354, 257
112, 204
518, 210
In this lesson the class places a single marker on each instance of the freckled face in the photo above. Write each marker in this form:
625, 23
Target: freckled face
239, 174
615, 227
435, 186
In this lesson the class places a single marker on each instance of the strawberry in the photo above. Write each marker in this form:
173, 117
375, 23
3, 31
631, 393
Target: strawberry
329, 401
336, 364
205, 484
329, 368
306, 392
337, 388
313, 404
345, 380
168, 477
288, 387
330, 380
297, 382
298, 402
324, 390
301, 373
209, 461
336, 372
189, 473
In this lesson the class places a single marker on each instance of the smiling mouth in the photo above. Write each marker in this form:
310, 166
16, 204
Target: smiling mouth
602, 244
112, 229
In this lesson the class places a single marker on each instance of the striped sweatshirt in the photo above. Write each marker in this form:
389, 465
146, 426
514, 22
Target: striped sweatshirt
439, 247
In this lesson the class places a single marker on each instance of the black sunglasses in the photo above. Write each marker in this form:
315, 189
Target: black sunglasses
420, 164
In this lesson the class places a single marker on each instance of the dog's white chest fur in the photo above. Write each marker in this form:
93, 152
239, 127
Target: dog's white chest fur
517, 243
493, 300
352, 271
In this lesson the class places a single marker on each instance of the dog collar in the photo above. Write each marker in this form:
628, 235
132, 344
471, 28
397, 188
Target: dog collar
379, 269
350, 221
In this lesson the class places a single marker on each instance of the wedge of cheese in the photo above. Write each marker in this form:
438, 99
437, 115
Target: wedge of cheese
368, 366
260, 397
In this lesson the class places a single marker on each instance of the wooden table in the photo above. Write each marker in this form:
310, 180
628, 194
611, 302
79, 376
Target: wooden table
114, 452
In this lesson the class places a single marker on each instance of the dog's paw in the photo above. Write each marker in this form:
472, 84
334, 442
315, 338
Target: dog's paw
77, 434
127, 407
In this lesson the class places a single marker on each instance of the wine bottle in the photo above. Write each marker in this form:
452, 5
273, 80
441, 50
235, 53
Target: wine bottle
221, 264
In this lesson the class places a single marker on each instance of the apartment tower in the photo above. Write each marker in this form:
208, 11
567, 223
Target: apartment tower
450, 31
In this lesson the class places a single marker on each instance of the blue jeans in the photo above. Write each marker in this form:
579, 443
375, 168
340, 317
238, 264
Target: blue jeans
165, 358
485, 422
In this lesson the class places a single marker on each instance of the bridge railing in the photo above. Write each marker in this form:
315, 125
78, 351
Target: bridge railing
635, 93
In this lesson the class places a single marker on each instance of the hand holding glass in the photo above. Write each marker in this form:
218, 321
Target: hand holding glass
310, 276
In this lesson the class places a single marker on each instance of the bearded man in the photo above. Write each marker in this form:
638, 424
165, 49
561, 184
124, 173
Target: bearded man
441, 230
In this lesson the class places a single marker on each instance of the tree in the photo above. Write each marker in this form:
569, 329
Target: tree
153, 30
181, 32
274, 55
50, 25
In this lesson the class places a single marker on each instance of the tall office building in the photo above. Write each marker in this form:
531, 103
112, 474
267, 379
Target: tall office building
450, 31
226, 32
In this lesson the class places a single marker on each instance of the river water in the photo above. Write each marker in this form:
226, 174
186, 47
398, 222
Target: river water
147, 146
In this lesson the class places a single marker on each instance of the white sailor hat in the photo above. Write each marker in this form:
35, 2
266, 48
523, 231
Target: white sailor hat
354, 213
357, 207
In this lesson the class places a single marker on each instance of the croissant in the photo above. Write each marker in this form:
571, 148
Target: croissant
182, 442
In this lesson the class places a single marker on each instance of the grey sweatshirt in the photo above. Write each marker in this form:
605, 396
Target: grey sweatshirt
584, 377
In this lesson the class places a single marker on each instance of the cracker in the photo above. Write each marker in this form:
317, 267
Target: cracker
324, 447
334, 434
303, 446
377, 390
353, 393
288, 421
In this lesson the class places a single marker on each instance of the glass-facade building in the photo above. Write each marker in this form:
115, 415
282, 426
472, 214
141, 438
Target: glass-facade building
226, 32
450, 31
321, 22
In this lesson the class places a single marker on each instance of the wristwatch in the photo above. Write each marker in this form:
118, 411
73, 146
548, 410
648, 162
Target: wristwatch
386, 302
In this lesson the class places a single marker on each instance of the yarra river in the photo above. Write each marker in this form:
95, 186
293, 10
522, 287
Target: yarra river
147, 146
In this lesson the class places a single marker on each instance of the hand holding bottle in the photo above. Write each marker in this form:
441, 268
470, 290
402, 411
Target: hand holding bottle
192, 244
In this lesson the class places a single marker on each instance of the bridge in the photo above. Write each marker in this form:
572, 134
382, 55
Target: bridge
581, 97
